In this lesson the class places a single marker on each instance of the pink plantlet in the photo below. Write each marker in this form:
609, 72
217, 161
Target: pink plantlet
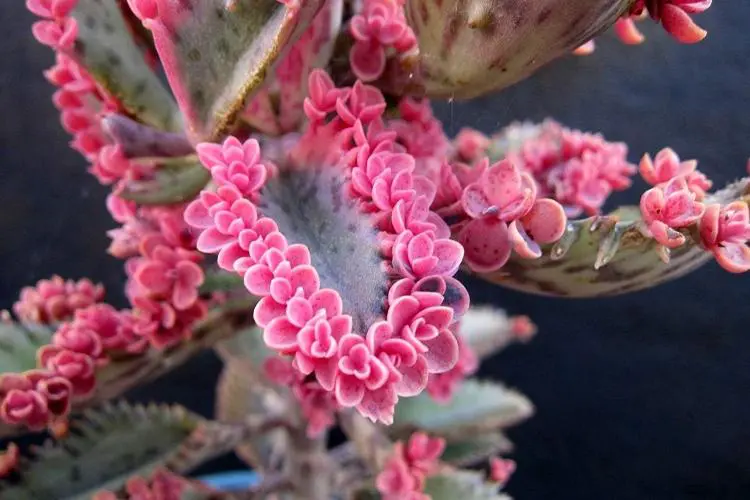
442, 386
170, 274
51, 9
725, 231
674, 15
505, 214
59, 34
627, 31
409, 465
55, 299
380, 26
501, 469
666, 209
667, 165
471, 144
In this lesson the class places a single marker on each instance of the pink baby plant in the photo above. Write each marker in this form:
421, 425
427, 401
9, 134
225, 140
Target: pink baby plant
291, 199
669, 208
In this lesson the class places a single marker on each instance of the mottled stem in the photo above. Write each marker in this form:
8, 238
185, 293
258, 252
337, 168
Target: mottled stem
309, 466
141, 141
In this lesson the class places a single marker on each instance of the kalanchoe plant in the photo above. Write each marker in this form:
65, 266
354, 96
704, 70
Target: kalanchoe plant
294, 204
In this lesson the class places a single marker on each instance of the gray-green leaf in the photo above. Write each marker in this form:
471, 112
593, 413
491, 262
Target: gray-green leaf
463, 485
476, 406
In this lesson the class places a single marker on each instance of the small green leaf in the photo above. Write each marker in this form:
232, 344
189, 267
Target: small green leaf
477, 448
173, 184
216, 55
107, 49
18, 345
110, 444
607, 256
476, 406
462, 485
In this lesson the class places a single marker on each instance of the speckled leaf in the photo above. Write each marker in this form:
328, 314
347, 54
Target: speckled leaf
471, 47
18, 345
608, 255
107, 49
215, 55
311, 207
463, 485
476, 448
476, 406
108, 445
172, 183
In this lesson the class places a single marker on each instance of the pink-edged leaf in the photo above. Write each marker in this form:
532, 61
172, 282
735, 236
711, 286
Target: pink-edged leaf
216, 55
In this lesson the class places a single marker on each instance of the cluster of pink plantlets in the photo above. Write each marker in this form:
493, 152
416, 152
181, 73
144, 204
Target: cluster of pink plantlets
674, 16
56, 299
331, 193
162, 263
404, 475
676, 202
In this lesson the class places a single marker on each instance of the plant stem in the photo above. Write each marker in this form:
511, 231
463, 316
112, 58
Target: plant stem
372, 445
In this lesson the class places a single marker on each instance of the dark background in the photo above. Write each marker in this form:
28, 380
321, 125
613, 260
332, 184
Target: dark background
638, 397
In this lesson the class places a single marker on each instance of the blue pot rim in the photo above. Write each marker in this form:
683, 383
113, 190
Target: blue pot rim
229, 481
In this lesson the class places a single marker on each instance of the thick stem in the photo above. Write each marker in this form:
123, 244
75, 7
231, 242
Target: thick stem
309, 467
372, 445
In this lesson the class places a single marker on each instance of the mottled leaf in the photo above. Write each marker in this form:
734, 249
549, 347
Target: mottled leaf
608, 255
476, 406
108, 445
312, 207
463, 485
468, 48
107, 49
216, 53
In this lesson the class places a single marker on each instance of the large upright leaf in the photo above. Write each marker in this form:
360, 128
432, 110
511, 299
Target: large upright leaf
216, 53
463, 485
476, 406
487, 330
608, 255
107, 49
109, 445
18, 345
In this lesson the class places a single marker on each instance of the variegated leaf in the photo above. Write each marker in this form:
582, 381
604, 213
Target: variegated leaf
608, 255
106, 47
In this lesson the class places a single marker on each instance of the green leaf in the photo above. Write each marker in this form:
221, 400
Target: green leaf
475, 449
463, 485
215, 55
18, 345
110, 444
107, 49
607, 256
172, 184
476, 406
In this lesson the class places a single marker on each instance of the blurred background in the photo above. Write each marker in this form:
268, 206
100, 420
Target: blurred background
642, 396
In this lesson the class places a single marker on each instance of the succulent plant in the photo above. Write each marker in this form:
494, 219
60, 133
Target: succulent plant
290, 200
